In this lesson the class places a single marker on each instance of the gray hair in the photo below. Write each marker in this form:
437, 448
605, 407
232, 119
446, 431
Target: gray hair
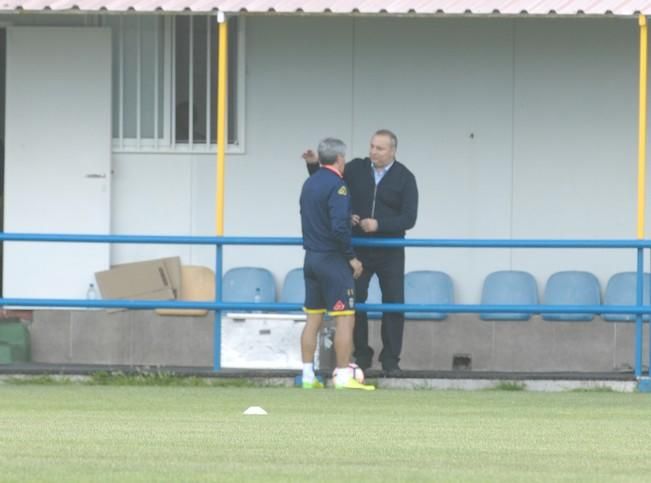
329, 149
390, 135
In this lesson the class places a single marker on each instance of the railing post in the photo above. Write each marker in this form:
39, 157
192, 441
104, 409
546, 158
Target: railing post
638, 317
217, 337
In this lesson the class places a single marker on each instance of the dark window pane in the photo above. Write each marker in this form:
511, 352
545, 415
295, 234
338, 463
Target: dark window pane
191, 44
130, 80
181, 82
152, 81
200, 63
127, 32
232, 81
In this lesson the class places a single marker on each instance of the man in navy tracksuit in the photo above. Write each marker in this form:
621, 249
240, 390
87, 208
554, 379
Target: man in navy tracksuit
330, 264
384, 204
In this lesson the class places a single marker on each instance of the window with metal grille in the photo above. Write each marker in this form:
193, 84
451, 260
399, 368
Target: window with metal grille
165, 83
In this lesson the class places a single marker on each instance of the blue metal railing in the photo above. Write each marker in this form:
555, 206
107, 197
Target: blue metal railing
219, 306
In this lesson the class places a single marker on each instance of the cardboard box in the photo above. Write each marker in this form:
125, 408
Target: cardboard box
173, 267
197, 284
158, 279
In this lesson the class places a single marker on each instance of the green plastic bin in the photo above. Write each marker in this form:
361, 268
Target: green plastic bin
14, 336
5, 354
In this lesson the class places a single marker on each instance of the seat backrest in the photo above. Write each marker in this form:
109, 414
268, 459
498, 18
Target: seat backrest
293, 291
509, 287
242, 283
428, 287
621, 290
374, 296
572, 288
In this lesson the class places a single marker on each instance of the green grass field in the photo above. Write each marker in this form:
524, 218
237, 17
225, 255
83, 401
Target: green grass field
119, 433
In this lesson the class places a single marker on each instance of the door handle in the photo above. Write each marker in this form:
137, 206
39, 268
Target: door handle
95, 176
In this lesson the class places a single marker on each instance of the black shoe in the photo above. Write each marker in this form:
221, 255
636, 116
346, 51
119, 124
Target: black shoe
366, 361
392, 371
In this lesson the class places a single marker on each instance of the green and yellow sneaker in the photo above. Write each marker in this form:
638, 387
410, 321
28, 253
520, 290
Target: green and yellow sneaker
354, 384
316, 384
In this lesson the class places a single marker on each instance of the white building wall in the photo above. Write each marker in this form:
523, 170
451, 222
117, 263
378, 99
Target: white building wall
514, 127
445, 87
575, 141
290, 105
522, 128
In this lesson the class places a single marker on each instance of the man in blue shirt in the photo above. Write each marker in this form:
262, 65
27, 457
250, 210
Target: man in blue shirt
330, 264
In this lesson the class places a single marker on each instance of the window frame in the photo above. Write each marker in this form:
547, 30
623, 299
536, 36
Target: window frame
167, 143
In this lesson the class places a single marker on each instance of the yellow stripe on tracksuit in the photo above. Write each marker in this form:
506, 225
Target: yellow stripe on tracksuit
314, 311
341, 312
336, 313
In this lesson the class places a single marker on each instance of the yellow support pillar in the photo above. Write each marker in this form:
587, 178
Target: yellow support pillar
221, 121
222, 79
641, 147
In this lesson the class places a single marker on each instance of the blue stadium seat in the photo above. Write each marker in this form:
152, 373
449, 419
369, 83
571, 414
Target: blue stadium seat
374, 296
293, 291
621, 291
428, 287
572, 288
509, 288
241, 284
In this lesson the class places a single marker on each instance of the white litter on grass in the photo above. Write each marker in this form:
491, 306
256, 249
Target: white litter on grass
255, 411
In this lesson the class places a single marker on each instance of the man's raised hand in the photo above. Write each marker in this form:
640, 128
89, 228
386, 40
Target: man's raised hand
310, 157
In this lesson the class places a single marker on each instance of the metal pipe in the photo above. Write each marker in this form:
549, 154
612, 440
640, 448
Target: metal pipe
221, 118
222, 79
217, 335
639, 291
641, 146
288, 241
289, 307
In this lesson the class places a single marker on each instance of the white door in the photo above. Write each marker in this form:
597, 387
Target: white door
57, 157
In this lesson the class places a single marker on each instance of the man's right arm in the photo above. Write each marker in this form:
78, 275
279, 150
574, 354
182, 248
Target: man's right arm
311, 161
357, 267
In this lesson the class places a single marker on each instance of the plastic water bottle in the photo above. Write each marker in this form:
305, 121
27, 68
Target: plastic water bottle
91, 293
257, 298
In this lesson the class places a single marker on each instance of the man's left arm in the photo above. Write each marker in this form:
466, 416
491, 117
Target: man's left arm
408, 212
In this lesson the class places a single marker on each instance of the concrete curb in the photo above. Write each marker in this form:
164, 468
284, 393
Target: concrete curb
545, 385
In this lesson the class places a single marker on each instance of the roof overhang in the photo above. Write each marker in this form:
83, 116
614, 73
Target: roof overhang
407, 8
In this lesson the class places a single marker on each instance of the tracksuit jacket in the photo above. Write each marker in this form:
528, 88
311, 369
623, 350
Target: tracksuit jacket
325, 214
393, 202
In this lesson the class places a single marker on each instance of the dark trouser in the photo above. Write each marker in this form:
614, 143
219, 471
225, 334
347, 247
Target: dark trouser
389, 265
